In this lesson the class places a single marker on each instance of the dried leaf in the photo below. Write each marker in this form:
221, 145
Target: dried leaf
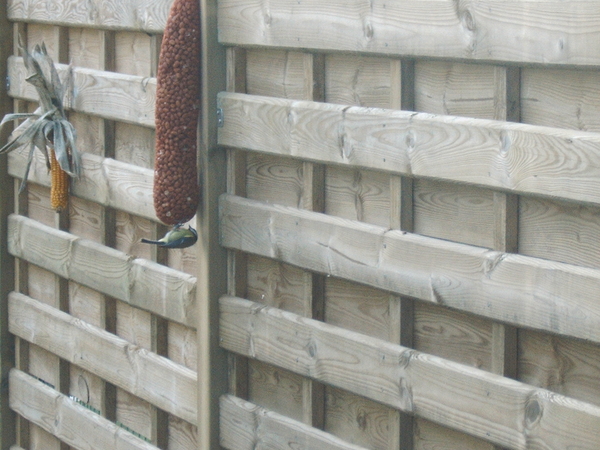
17, 116
29, 160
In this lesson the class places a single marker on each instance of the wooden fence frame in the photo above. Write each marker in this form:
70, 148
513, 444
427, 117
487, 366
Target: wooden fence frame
7, 275
211, 381
538, 409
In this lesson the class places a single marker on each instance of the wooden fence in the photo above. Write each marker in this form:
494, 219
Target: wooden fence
105, 329
398, 234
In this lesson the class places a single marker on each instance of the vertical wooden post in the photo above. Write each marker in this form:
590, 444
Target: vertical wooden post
212, 258
313, 199
401, 217
506, 215
237, 272
7, 272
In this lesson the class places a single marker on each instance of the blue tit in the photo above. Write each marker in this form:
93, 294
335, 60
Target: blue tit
178, 237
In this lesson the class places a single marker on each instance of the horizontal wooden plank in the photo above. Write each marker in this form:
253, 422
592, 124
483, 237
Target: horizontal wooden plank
508, 156
142, 283
500, 410
520, 290
246, 426
64, 418
149, 16
105, 181
156, 379
522, 31
110, 95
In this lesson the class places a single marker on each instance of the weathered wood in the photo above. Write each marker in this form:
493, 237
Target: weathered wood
362, 421
211, 257
559, 231
453, 335
153, 378
566, 366
454, 88
110, 95
488, 406
137, 281
454, 212
520, 290
508, 156
69, 421
8, 431
547, 99
105, 181
150, 16
246, 426
557, 32
359, 80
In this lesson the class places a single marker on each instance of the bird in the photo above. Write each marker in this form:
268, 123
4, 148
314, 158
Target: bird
178, 237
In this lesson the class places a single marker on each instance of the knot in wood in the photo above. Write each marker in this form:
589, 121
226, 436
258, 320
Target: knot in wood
533, 412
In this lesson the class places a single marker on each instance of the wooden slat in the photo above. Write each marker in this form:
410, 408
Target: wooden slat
246, 426
153, 378
520, 290
61, 416
485, 405
131, 15
137, 281
105, 181
110, 95
556, 32
508, 156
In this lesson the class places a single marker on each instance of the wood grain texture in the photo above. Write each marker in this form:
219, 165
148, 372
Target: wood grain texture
276, 180
566, 366
454, 212
278, 73
153, 378
497, 409
511, 288
182, 435
557, 32
452, 335
358, 194
275, 388
456, 89
87, 48
559, 231
360, 80
134, 144
430, 436
361, 421
133, 53
508, 156
105, 181
182, 345
72, 423
360, 308
149, 16
110, 95
561, 98
277, 284
139, 282
246, 426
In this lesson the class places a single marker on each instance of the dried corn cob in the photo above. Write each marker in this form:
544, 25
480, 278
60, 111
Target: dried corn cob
176, 191
59, 189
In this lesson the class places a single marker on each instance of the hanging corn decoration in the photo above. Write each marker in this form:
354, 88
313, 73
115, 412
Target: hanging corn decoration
47, 129
176, 191
59, 189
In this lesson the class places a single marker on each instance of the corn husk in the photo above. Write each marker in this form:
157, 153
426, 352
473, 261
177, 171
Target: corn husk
48, 126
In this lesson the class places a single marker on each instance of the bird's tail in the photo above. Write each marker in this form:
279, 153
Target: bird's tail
148, 241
